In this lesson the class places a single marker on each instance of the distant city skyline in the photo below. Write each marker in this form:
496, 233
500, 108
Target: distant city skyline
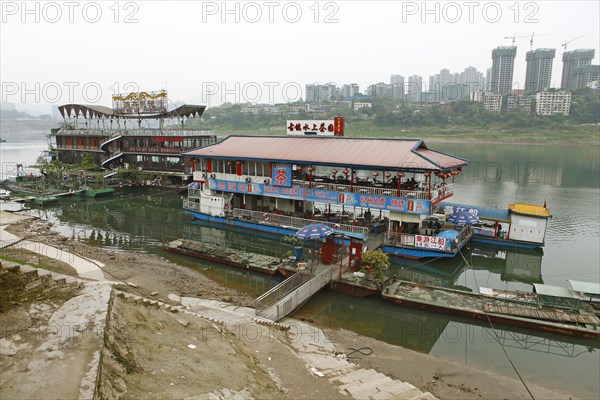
250, 52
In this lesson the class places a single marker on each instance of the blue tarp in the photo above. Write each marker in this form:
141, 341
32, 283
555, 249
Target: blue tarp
449, 234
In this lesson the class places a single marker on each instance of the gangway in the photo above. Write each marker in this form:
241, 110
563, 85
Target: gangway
290, 294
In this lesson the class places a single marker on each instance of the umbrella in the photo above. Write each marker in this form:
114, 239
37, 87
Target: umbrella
314, 231
462, 218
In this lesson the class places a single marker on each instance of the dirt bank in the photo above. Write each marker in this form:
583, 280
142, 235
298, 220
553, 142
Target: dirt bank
163, 366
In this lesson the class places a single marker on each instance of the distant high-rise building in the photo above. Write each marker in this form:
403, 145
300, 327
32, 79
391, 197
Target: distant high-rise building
349, 90
316, 93
472, 78
488, 79
572, 60
585, 75
502, 69
396, 79
539, 69
413, 88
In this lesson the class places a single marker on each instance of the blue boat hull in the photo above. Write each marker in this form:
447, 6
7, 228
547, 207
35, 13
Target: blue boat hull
242, 224
505, 243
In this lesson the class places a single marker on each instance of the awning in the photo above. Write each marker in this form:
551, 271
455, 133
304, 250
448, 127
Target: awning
555, 291
591, 289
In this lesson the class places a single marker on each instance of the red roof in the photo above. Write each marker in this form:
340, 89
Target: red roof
409, 154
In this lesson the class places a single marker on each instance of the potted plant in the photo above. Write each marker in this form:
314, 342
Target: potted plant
374, 264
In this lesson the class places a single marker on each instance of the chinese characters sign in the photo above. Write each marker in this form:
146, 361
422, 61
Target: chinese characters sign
281, 175
398, 204
316, 127
430, 242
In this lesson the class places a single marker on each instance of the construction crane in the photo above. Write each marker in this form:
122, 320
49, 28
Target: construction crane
513, 37
531, 41
564, 45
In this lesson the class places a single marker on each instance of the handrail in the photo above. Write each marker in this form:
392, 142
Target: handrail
293, 222
282, 289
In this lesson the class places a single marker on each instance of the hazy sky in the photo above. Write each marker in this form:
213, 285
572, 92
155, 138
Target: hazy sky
51, 51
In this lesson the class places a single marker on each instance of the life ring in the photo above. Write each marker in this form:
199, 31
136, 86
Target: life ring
265, 217
337, 227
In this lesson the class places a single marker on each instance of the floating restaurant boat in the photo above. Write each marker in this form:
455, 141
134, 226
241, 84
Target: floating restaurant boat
224, 255
519, 225
280, 184
550, 308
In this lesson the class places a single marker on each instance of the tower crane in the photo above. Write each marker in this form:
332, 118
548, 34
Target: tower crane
513, 37
564, 45
531, 41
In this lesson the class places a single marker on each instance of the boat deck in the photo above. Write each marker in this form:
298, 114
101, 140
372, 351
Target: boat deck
518, 304
250, 260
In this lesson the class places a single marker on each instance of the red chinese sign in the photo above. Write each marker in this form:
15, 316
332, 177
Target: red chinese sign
430, 242
318, 128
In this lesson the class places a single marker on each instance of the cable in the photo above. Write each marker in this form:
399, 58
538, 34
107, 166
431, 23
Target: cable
498, 339
365, 351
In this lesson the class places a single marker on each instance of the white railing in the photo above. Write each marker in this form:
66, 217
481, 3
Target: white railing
281, 290
293, 222
191, 205
437, 190
296, 297
408, 239
132, 132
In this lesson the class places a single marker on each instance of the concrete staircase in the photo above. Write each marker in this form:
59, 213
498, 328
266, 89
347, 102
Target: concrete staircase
359, 383
319, 355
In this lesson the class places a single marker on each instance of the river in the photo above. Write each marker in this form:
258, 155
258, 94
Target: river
566, 178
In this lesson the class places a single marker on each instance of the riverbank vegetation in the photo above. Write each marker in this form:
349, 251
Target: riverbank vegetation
457, 121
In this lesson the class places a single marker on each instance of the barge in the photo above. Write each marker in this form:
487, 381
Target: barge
224, 255
540, 311
378, 191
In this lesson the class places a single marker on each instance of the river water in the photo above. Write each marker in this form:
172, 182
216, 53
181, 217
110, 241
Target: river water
567, 178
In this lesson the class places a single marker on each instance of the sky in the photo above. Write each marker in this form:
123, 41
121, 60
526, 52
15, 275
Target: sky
209, 52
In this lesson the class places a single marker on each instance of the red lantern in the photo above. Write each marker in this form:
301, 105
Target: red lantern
400, 174
428, 174
346, 171
375, 173
229, 162
334, 171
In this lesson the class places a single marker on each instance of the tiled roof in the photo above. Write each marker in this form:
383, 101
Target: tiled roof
392, 154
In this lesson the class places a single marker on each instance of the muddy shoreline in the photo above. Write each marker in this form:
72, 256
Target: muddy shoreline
153, 277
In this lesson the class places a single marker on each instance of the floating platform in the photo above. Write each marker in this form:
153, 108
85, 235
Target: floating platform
224, 255
510, 308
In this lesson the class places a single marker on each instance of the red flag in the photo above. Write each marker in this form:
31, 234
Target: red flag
544, 202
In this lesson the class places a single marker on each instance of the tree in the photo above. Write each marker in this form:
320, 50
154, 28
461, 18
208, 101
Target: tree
375, 261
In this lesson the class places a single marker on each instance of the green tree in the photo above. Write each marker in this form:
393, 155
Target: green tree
375, 261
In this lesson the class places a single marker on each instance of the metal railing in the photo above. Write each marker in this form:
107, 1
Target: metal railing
293, 222
408, 239
283, 289
437, 190
132, 132
290, 300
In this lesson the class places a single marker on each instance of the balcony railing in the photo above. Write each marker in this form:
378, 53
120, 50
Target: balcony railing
286, 221
438, 190
409, 239
131, 132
